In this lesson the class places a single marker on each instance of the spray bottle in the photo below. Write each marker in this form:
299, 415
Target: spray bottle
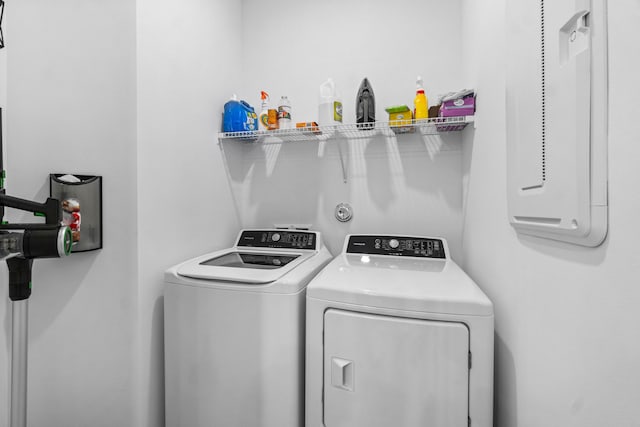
329, 105
264, 111
420, 103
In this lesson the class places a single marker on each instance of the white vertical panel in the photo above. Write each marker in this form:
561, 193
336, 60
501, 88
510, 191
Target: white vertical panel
556, 104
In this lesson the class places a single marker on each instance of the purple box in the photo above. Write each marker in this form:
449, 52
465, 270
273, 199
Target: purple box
458, 107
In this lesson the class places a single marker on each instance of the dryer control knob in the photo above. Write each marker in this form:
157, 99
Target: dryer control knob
275, 237
393, 244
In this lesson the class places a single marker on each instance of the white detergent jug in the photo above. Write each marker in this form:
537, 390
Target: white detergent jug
330, 105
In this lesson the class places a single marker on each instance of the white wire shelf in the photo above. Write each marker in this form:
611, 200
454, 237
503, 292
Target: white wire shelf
432, 126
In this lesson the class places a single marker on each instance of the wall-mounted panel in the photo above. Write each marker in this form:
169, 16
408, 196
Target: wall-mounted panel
557, 119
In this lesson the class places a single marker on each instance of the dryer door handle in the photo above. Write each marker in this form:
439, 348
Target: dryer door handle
342, 374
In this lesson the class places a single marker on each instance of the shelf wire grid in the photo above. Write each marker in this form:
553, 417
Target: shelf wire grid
431, 126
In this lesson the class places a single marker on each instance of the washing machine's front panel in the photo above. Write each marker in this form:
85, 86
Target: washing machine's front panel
233, 359
382, 371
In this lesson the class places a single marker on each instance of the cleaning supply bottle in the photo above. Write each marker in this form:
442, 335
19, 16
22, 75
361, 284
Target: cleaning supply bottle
329, 105
264, 111
420, 103
284, 113
365, 106
239, 116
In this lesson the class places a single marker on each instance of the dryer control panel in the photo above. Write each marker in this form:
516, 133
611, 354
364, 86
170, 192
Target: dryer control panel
418, 247
278, 239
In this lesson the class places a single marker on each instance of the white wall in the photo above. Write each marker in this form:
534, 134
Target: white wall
192, 58
566, 317
410, 185
188, 54
4, 344
134, 92
76, 100
3, 77
71, 108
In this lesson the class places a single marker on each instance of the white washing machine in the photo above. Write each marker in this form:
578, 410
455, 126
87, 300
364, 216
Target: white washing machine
397, 335
234, 331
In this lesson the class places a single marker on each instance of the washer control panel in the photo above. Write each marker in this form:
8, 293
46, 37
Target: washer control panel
418, 247
280, 239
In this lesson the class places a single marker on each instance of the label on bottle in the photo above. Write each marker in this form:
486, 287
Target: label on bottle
284, 114
251, 123
264, 119
272, 119
337, 111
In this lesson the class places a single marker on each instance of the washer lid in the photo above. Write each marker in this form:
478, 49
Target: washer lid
251, 260
244, 265
403, 283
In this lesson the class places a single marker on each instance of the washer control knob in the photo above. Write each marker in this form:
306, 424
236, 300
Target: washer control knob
393, 244
275, 237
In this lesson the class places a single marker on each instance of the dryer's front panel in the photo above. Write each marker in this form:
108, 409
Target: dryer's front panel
382, 371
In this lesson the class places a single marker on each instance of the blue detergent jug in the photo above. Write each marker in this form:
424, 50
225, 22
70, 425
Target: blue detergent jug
239, 116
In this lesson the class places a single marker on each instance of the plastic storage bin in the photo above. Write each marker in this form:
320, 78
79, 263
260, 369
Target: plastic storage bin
82, 208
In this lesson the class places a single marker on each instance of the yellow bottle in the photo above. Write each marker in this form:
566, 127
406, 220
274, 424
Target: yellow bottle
420, 103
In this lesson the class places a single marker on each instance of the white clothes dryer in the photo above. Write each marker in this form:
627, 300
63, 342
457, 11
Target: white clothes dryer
234, 331
397, 335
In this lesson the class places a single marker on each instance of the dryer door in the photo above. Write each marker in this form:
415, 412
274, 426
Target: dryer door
382, 371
